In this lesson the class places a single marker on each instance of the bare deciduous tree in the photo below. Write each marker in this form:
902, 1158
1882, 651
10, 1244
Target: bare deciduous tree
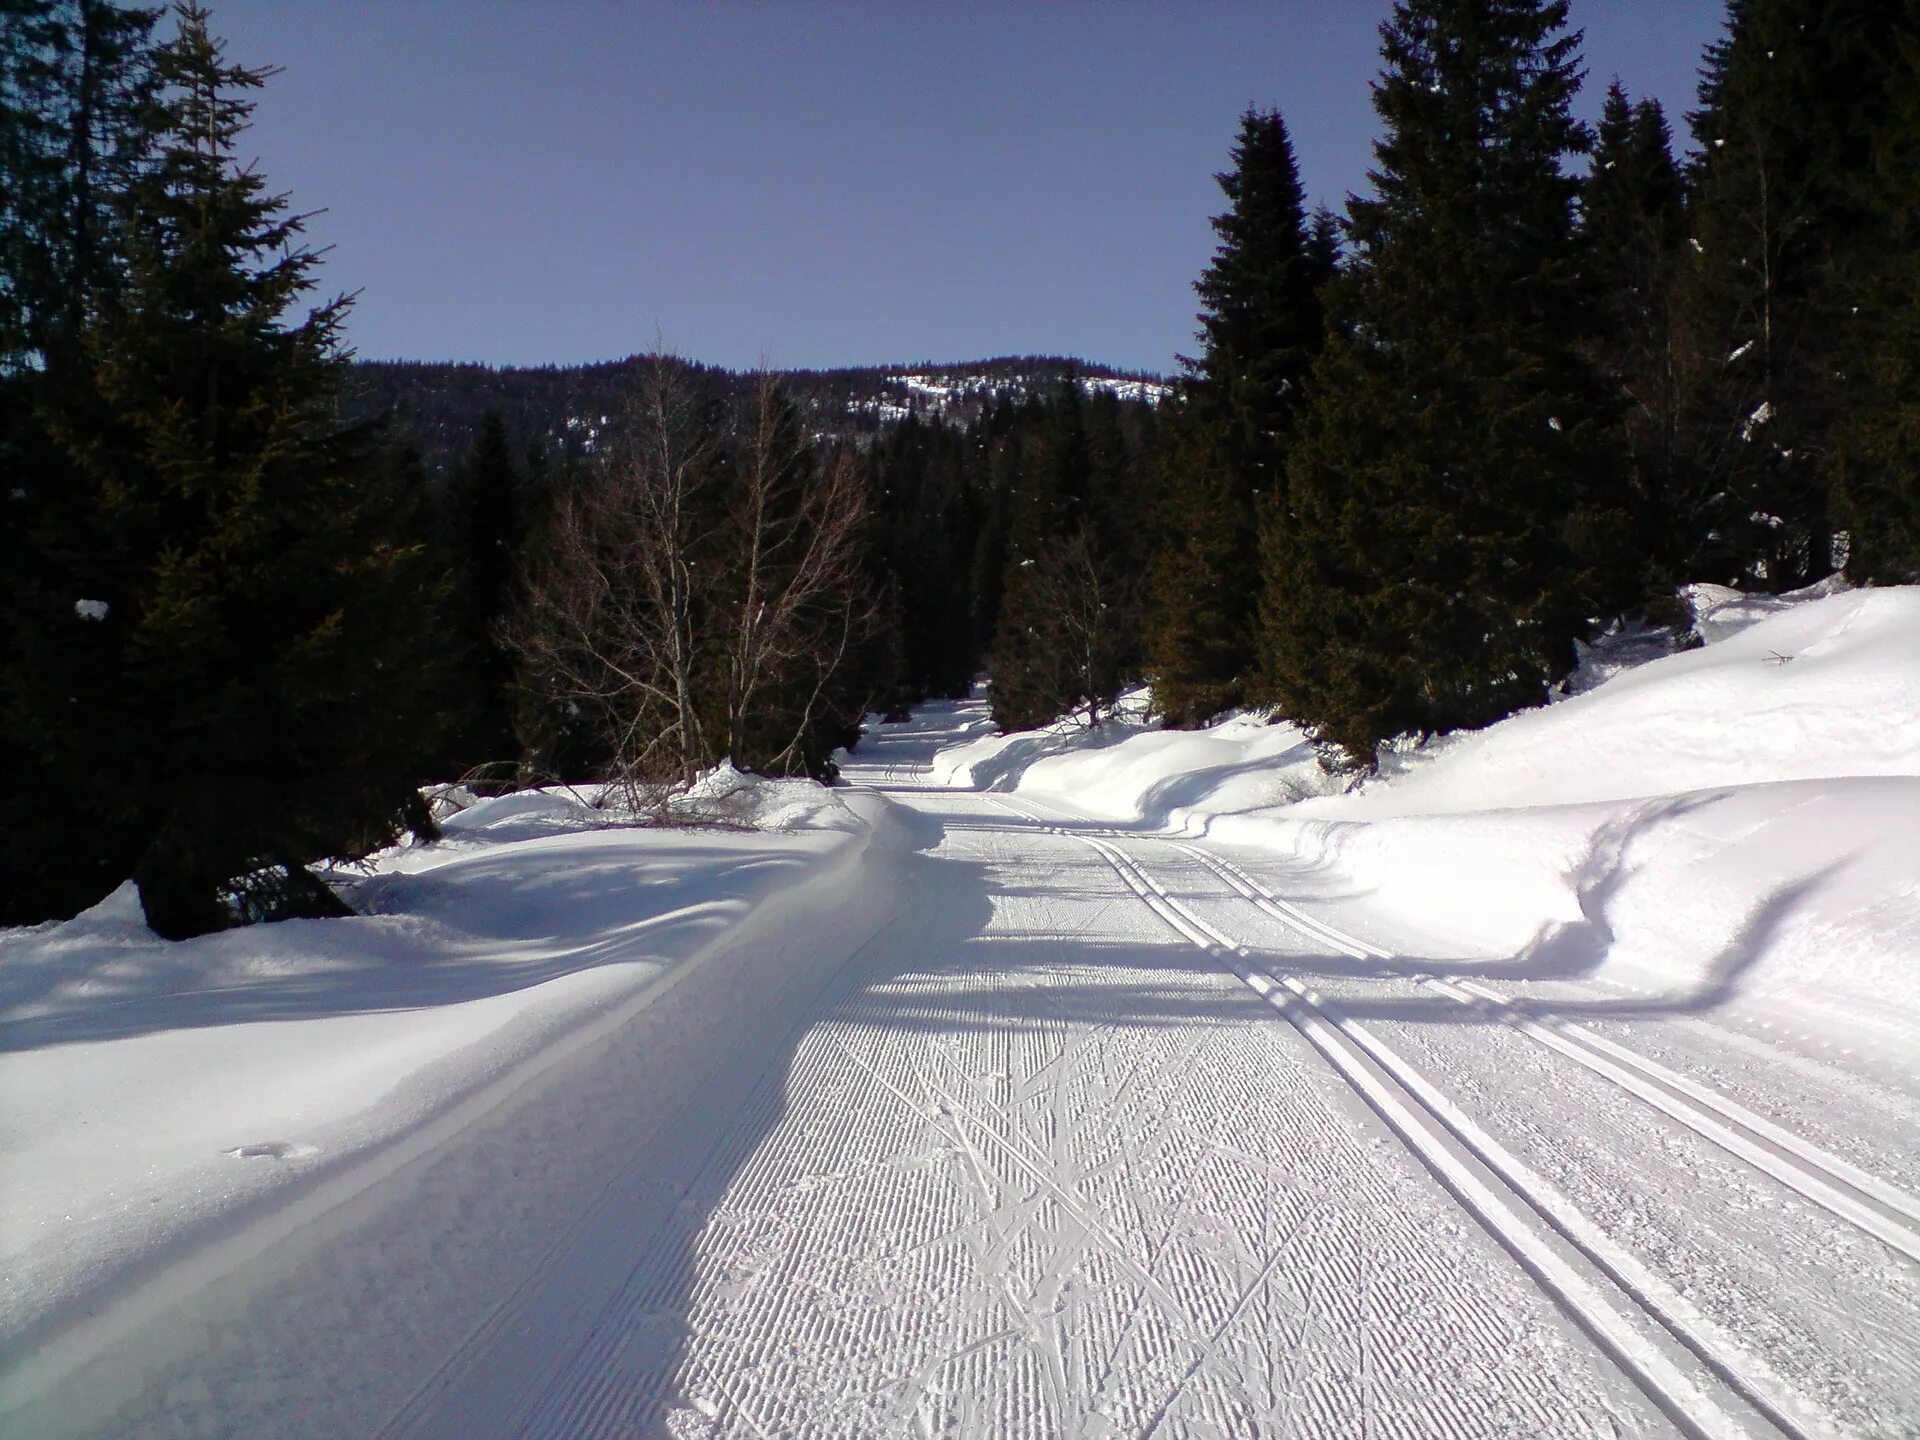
1083, 601
701, 590
613, 622
798, 601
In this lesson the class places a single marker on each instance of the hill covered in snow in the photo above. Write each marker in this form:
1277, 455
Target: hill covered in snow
567, 409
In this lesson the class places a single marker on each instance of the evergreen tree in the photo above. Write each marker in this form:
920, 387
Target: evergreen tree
1634, 224
1030, 677
1877, 471
483, 533
213, 663
1790, 98
1323, 245
1259, 327
74, 87
926, 518
1453, 495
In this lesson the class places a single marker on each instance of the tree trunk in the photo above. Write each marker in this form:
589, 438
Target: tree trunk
180, 899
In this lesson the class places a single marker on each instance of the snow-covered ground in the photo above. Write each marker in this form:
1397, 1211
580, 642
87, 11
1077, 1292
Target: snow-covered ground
1558, 1082
1741, 818
160, 1097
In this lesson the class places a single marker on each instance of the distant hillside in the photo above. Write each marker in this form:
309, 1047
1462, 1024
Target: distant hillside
566, 410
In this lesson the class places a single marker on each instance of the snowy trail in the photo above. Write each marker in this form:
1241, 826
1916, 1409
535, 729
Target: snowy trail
1753, 1265
1058, 1173
1090, 1133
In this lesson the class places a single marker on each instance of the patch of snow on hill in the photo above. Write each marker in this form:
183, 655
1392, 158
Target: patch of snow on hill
956, 397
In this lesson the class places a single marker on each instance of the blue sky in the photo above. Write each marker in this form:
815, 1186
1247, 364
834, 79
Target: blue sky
811, 184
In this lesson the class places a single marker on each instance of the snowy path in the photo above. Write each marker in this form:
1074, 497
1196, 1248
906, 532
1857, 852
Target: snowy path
1104, 1136
1788, 1273
1039, 1168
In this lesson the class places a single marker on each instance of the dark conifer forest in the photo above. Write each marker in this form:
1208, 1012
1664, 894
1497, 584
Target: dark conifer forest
255, 595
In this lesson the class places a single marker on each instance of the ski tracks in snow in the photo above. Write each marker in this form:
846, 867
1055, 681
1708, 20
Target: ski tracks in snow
1710, 1374
1045, 1171
1104, 1137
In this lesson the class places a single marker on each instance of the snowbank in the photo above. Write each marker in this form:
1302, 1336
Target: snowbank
1737, 824
1822, 689
157, 1094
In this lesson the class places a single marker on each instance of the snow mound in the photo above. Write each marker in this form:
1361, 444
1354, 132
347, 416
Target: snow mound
1733, 827
1130, 769
155, 1090
1826, 688
726, 796
1002, 762
1720, 613
1160, 776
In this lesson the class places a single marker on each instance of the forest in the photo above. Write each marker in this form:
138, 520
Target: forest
1536, 377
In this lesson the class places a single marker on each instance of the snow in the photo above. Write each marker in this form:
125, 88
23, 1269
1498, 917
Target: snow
1090, 1080
155, 1090
943, 394
1744, 815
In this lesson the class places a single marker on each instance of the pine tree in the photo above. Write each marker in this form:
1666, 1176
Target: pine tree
1259, 329
483, 533
75, 84
1790, 98
215, 664
1877, 470
1634, 224
1453, 495
1056, 647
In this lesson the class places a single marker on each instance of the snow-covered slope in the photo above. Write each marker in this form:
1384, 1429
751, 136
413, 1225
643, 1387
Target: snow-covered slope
1741, 820
1537, 1088
158, 1093
1823, 689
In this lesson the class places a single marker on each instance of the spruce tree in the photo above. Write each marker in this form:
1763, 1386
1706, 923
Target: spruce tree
219, 665
1259, 327
75, 83
1324, 245
482, 534
75, 86
926, 519
1877, 461
1790, 99
1059, 644
1453, 495
1634, 224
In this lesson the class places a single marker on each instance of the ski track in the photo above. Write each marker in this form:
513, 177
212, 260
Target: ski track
1017, 1190
1757, 1284
1105, 1136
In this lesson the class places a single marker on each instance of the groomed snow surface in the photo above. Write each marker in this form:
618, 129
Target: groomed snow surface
1561, 1081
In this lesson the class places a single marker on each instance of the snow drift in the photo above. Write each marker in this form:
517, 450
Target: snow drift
1735, 825
160, 1096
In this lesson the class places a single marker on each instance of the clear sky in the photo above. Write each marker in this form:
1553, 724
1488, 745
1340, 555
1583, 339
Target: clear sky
814, 184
